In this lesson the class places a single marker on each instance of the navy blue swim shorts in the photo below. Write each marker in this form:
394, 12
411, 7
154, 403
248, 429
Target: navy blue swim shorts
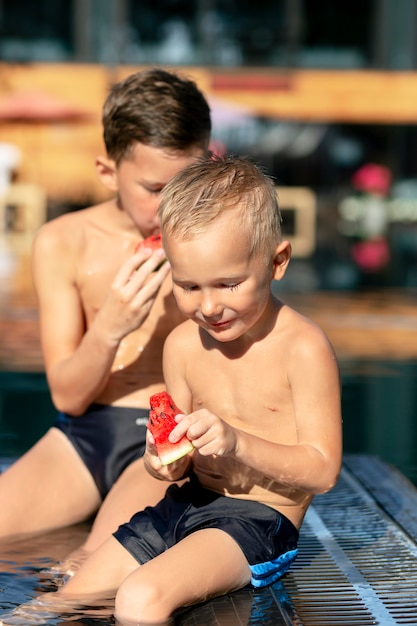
107, 438
267, 538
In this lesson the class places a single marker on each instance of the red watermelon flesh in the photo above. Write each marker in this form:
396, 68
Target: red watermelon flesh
154, 242
161, 423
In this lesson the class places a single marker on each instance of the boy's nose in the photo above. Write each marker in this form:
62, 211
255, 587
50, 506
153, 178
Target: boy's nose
209, 306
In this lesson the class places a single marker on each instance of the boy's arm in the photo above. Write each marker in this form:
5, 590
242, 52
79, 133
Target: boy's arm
173, 367
313, 463
77, 361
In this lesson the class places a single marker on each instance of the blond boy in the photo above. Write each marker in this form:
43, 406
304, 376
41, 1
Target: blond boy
259, 387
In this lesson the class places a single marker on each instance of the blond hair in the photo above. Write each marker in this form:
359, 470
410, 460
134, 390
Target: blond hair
198, 194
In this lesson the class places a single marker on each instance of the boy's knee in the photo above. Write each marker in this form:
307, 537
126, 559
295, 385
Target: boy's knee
140, 599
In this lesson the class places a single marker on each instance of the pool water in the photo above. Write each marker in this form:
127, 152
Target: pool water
26, 411
379, 404
379, 411
25, 572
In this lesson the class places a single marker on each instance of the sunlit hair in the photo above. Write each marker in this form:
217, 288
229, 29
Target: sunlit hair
197, 195
157, 108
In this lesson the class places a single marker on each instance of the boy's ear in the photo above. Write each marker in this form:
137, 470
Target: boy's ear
281, 259
107, 172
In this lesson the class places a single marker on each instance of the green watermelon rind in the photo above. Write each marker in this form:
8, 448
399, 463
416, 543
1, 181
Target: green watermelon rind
168, 453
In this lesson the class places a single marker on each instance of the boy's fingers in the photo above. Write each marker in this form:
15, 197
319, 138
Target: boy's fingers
179, 431
151, 440
130, 266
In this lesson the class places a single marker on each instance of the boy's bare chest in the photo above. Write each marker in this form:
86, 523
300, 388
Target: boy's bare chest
97, 267
252, 392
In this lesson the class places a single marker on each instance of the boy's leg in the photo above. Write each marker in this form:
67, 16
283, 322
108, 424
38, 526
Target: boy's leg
48, 487
100, 575
134, 490
205, 564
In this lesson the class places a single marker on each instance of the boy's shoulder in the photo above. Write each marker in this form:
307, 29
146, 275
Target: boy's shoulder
185, 331
66, 234
185, 337
301, 334
72, 224
181, 344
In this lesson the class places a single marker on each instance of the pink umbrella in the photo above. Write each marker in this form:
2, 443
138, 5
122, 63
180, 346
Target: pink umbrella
41, 126
35, 106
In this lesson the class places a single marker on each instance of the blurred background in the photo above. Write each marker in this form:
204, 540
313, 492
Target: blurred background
323, 94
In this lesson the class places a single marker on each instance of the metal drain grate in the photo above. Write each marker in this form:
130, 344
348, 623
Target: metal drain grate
356, 566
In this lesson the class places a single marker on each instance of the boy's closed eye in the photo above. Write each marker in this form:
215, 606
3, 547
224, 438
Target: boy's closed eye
152, 189
231, 287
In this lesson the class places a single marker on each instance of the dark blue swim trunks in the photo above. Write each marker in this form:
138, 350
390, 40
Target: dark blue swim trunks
267, 538
107, 438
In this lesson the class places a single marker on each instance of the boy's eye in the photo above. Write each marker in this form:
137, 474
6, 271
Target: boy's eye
230, 286
153, 190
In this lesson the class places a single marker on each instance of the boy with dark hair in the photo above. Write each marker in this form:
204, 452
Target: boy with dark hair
104, 315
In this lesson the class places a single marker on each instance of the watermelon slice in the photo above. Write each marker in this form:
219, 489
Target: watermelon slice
161, 423
154, 242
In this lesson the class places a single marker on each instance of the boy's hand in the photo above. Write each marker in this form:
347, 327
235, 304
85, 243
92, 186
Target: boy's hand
208, 433
172, 472
132, 293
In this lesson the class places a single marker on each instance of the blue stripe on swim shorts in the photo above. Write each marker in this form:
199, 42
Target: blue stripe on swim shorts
264, 574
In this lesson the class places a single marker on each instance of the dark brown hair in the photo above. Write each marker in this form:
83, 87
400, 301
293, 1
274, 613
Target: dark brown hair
158, 108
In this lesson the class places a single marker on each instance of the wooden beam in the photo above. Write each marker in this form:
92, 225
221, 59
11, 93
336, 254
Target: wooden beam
364, 97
